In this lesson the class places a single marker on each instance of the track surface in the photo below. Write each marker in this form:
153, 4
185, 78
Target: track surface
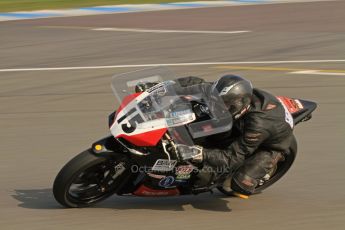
47, 117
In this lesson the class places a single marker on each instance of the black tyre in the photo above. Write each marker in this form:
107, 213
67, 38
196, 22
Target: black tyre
87, 179
279, 172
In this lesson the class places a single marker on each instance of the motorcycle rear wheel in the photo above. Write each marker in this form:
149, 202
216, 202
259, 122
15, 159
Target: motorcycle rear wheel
87, 179
280, 171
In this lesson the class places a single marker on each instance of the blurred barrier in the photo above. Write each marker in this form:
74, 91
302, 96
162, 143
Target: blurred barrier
133, 8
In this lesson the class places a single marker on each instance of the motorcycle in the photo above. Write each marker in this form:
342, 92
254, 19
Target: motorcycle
141, 158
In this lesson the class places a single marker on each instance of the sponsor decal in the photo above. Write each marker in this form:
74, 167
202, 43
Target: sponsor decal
291, 104
299, 104
164, 165
288, 116
183, 172
156, 176
181, 181
181, 113
166, 181
180, 117
183, 177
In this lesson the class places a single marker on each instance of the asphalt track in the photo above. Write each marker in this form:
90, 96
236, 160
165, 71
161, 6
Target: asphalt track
47, 117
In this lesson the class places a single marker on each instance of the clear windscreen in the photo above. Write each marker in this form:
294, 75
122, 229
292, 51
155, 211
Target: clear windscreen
162, 102
124, 84
161, 106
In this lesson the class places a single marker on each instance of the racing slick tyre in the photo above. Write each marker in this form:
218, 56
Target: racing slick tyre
87, 179
277, 173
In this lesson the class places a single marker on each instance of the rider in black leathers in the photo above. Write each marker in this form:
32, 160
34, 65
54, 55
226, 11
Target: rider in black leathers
265, 131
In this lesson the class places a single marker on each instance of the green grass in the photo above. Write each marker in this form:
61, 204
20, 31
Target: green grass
23, 5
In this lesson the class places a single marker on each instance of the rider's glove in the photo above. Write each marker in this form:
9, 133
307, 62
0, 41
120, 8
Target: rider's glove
190, 153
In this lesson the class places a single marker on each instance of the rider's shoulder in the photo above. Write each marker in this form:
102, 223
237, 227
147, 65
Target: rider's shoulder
264, 101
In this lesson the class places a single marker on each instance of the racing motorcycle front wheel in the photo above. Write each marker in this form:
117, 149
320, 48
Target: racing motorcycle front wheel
278, 172
87, 179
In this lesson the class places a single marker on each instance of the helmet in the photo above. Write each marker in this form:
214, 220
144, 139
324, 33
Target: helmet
236, 93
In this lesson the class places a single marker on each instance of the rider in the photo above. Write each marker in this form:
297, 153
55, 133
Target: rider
265, 130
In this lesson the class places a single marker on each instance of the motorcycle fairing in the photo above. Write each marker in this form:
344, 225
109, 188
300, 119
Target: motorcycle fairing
146, 191
150, 138
293, 105
129, 123
127, 100
143, 118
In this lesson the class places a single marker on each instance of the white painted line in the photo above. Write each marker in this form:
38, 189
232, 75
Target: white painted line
169, 31
168, 64
318, 72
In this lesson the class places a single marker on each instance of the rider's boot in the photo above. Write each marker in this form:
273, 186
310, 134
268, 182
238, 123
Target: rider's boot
226, 186
255, 171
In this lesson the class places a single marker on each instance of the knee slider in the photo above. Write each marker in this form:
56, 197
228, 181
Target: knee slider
243, 184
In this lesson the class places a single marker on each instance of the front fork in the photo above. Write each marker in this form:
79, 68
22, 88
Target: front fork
168, 141
109, 148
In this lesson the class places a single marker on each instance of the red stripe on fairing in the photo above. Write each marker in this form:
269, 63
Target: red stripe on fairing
149, 138
127, 100
146, 191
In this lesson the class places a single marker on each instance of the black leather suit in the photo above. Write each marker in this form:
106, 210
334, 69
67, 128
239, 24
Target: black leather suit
263, 138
